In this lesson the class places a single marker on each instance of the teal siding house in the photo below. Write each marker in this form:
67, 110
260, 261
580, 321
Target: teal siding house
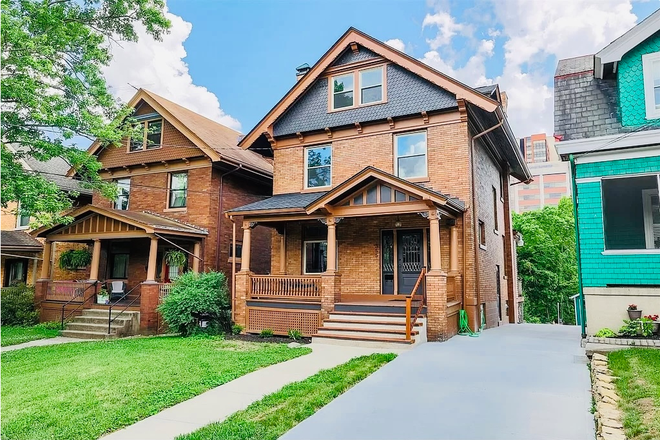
607, 122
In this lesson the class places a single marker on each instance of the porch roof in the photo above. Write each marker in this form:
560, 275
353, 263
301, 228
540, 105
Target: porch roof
19, 241
95, 222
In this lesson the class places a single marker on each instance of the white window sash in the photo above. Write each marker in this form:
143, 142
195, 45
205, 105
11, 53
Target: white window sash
425, 154
307, 167
652, 108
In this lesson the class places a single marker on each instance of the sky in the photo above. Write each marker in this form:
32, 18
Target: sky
232, 61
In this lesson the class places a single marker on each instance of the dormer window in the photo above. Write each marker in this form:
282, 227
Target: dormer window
651, 69
369, 84
152, 136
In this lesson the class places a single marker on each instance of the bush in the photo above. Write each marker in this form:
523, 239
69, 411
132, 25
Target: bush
236, 329
266, 333
294, 334
629, 328
74, 259
605, 333
194, 295
18, 306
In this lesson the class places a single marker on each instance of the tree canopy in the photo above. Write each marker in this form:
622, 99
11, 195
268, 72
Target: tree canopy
546, 262
53, 90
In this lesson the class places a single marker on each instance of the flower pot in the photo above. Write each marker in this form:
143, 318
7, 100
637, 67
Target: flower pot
102, 299
634, 314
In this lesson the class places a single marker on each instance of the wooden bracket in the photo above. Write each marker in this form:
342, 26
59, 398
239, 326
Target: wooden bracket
391, 122
186, 160
355, 48
128, 170
109, 171
165, 164
329, 133
300, 137
146, 167
425, 117
462, 109
359, 127
270, 138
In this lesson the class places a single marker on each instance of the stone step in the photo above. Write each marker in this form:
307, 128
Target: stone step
99, 328
104, 313
87, 335
363, 341
122, 320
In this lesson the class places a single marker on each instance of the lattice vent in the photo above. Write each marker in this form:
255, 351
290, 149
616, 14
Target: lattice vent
283, 320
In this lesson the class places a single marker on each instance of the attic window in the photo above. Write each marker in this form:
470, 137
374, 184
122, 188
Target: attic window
651, 69
369, 84
152, 136
342, 91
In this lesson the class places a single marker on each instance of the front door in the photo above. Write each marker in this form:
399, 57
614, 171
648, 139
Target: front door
410, 259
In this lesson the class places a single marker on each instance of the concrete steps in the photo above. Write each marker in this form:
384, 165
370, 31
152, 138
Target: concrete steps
93, 324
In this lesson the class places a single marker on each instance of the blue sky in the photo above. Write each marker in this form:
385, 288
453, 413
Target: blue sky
244, 53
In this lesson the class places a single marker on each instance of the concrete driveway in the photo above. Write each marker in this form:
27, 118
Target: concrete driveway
527, 382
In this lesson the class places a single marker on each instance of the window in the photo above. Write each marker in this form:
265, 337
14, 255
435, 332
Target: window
124, 188
631, 213
651, 69
15, 272
239, 251
342, 91
482, 234
151, 138
497, 227
315, 255
539, 151
371, 85
178, 190
119, 264
410, 151
22, 219
318, 166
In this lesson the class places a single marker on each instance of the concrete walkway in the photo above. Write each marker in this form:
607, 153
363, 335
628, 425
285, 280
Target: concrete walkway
43, 342
217, 404
514, 382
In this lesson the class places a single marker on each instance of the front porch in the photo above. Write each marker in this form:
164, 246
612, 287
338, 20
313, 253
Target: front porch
128, 270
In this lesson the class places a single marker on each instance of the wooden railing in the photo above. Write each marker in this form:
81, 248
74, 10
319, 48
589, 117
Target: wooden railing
70, 291
164, 290
410, 318
306, 287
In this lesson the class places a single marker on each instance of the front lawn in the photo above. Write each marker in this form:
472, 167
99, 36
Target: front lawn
639, 387
277, 413
10, 335
81, 391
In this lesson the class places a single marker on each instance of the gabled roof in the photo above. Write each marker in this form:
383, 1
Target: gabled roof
614, 51
19, 241
355, 36
218, 142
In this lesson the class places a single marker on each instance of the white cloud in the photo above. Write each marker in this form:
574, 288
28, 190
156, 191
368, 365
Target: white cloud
473, 73
447, 28
159, 66
397, 44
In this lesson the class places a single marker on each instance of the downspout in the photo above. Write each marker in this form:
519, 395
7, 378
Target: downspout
233, 267
583, 314
475, 219
219, 219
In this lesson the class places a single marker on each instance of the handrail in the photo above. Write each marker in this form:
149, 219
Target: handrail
110, 318
79, 305
410, 321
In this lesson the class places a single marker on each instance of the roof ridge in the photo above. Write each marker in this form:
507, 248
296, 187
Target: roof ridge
175, 220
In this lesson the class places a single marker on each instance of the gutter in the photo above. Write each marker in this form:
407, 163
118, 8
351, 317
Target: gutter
577, 248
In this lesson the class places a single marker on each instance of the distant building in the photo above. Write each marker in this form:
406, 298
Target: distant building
551, 177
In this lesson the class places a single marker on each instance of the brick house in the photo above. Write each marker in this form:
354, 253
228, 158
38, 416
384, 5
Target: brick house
174, 183
389, 201
607, 112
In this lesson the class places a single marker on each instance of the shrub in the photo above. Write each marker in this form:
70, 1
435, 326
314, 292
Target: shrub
646, 324
236, 329
194, 295
605, 333
629, 328
294, 334
18, 306
266, 333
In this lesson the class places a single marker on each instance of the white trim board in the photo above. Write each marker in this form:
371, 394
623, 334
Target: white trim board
602, 144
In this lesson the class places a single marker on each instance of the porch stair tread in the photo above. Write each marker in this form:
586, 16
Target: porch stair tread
398, 315
365, 330
364, 338
351, 321
89, 326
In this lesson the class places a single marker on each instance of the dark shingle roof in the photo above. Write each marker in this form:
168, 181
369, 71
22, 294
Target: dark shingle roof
282, 201
159, 221
486, 90
19, 240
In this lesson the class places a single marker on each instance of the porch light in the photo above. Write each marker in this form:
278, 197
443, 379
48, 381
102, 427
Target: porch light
397, 222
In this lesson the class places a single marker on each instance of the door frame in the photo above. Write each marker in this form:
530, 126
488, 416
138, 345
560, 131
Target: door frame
425, 256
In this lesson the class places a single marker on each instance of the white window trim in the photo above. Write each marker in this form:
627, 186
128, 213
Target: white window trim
18, 218
649, 97
382, 85
648, 216
305, 255
128, 196
331, 85
307, 168
426, 154
170, 189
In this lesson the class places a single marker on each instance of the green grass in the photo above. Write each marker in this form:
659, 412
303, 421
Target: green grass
639, 387
81, 391
277, 413
10, 335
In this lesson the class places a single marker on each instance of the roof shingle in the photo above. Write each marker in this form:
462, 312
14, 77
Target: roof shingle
19, 240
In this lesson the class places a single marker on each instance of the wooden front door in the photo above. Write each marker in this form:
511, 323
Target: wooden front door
410, 259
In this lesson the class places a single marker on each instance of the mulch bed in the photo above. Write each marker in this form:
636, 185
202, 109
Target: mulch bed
273, 339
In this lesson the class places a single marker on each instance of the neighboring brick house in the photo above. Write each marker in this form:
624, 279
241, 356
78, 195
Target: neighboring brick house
607, 113
395, 176
174, 183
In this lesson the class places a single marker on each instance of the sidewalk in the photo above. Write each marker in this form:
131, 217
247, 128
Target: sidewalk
217, 404
43, 342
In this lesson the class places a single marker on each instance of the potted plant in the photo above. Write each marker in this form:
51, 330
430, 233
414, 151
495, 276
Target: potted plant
176, 258
75, 259
633, 313
102, 297
656, 323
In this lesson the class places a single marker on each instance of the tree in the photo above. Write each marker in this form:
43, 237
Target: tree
546, 262
53, 90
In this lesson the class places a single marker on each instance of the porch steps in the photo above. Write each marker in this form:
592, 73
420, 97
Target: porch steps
93, 324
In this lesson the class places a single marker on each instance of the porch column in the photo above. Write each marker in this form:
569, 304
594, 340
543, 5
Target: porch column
434, 238
247, 244
45, 265
196, 252
332, 245
96, 260
453, 249
283, 251
151, 267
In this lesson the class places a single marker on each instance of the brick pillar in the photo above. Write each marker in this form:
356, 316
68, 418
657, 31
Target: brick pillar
240, 298
436, 306
330, 292
148, 303
40, 289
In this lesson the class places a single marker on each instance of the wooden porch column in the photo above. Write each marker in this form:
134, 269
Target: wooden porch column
247, 236
434, 238
453, 249
151, 267
196, 252
283, 251
332, 245
45, 265
96, 260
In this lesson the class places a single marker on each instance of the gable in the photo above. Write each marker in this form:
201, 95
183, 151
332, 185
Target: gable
349, 56
407, 94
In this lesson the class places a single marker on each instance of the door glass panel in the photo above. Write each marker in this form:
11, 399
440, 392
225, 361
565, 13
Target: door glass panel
388, 262
411, 252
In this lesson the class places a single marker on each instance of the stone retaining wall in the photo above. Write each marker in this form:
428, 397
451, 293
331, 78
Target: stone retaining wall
607, 414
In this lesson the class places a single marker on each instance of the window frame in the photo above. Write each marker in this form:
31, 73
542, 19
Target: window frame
145, 132
496, 221
357, 87
306, 166
113, 265
382, 85
119, 195
304, 256
652, 108
482, 234
170, 177
239, 251
426, 155
19, 217
647, 213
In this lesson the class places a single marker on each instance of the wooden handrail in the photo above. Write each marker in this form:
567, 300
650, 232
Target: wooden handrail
304, 287
410, 319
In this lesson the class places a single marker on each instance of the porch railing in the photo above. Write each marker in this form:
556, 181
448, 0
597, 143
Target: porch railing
164, 290
127, 297
70, 291
81, 297
411, 318
307, 287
